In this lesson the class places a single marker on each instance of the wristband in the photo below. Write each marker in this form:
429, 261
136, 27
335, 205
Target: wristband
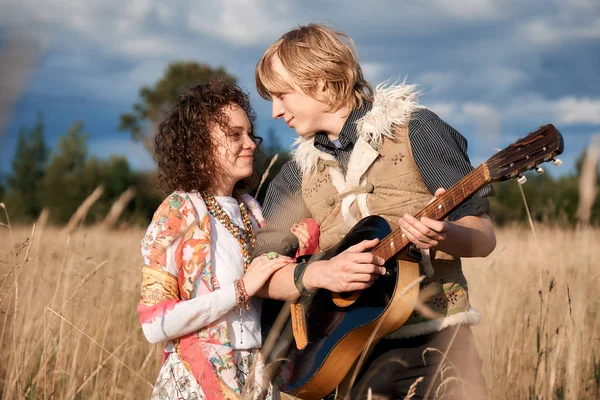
298, 275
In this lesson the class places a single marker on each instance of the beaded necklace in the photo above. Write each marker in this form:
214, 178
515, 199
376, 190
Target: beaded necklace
246, 239
244, 236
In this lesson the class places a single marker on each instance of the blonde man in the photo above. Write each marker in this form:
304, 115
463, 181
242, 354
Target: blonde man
367, 152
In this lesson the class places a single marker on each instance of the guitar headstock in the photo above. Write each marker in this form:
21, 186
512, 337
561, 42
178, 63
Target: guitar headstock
527, 153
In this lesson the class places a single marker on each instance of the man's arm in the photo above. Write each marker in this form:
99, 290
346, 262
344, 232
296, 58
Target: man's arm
284, 206
440, 152
470, 236
350, 270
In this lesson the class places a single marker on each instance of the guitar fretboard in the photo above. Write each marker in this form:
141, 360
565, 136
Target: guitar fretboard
396, 241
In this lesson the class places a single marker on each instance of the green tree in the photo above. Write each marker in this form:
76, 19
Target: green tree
28, 168
550, 200
155, 101
579, 166
114, 175
146, 200
72, 175
68, 182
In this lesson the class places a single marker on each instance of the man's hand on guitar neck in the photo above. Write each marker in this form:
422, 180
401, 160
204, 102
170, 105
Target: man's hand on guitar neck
350, 270
470, 236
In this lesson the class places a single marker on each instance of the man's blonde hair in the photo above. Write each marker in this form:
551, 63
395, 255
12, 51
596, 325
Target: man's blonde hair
310, 53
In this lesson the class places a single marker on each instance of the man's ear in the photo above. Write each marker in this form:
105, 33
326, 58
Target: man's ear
322, 91
321, 86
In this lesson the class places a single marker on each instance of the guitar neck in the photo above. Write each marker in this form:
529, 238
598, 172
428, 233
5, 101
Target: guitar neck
396, 242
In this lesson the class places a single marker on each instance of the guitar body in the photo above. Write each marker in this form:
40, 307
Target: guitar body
340, 327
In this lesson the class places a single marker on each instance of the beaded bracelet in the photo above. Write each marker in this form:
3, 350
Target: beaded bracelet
241, 296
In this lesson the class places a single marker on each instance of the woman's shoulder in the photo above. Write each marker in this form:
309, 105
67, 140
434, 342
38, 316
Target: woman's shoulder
175, 201
174, 215
177, 205
255, 208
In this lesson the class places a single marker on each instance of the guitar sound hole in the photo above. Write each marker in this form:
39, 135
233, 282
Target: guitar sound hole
346, 295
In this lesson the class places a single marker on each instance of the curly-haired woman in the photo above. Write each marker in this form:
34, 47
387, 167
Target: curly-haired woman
198, 279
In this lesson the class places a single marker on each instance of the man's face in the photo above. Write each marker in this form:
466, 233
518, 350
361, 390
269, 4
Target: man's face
300, 111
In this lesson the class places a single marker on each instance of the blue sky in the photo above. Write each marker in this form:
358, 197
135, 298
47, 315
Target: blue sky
494, 69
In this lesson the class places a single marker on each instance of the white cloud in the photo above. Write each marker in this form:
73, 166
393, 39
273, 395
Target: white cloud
491, 80
487, 67
438, 81
562, 23
149, 46
471, 9
503, 77
145, 73
571, 110
446, 111
244, 22
548, 31
479, 110
567, 111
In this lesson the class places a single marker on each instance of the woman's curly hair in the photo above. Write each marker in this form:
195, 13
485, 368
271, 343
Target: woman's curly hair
185, 151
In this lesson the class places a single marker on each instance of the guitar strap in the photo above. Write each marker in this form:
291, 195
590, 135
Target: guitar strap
298, 313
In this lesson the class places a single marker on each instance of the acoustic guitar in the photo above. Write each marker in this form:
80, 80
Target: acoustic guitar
333, 329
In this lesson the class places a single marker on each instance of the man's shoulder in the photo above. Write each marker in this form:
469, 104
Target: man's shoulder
424, 115
289, 176
290, 166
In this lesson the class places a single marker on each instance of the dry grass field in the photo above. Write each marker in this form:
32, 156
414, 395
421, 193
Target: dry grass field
69, 326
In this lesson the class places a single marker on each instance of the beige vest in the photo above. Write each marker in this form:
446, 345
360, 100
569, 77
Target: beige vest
383, 179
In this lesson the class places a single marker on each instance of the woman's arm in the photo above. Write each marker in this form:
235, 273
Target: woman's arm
172, 318
163, 313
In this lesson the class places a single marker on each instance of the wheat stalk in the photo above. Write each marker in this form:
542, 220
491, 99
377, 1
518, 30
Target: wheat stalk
587, 182
503, 286
99, 345
265, 175
117, 208
82, 210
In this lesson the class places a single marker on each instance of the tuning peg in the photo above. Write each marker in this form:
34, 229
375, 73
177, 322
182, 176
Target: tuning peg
539, 170
557, 162
522, 179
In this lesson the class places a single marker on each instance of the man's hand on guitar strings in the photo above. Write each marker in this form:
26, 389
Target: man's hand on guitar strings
353, 269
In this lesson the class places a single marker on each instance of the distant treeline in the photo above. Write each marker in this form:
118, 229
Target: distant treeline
60, 179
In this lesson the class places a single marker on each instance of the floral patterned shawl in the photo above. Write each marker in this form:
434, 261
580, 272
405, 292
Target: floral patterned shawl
207, 353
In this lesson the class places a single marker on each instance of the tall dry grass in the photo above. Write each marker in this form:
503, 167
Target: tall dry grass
69, 326
540, 331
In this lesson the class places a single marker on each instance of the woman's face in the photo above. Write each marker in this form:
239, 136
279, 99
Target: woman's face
235, 148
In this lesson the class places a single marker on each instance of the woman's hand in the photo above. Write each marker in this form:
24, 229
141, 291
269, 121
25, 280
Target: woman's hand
261, 269
307, 233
